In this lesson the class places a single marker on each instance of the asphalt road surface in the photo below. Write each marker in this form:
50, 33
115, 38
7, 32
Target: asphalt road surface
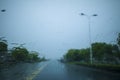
54, 70
59, 71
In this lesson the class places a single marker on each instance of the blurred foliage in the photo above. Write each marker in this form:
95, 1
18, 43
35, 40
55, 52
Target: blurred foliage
118, 39
3, 46
3, 51
77, 55
20, 54
106, 67
102, 53
17, 54
33, 56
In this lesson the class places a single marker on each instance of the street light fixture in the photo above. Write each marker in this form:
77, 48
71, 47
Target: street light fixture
3, 10
89, 24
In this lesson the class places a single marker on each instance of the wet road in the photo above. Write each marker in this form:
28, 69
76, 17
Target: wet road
59, 71
54, 70
21, 71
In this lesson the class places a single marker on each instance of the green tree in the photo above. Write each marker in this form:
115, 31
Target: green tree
33, 56
72, 55
118, 39
116, 52
77, 55
3, 51
103, 52
98, 50
43, 59
3, 46
20, 54
85, 54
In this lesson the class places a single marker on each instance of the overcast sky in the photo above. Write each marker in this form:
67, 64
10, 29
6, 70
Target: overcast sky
51, 27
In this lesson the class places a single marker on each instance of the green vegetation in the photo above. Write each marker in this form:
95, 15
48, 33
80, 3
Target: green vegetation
102, 53
118, 39
20, 54
105, 67
3, 46
77, 55
105, 56
17, 54
33, 56
3, 50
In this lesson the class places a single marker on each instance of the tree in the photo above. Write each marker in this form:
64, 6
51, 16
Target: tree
3, 46
33, 56
118, 39
85, 54
20, 54
103, 52
98, 50
72, 55
77, 55
3, 51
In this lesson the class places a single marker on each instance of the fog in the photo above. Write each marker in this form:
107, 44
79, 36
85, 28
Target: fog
51, 27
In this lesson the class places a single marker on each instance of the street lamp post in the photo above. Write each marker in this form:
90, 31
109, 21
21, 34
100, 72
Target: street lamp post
90, 41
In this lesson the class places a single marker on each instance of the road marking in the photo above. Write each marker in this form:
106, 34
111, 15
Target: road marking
36, 72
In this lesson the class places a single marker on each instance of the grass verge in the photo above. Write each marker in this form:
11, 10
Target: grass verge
105, 67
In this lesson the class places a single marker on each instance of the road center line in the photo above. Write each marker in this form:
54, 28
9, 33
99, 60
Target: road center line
36, 72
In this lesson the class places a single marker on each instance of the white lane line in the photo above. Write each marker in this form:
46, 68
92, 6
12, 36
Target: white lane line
36, 72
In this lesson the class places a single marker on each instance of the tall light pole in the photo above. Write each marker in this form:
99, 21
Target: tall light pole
90, 41
2, 38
